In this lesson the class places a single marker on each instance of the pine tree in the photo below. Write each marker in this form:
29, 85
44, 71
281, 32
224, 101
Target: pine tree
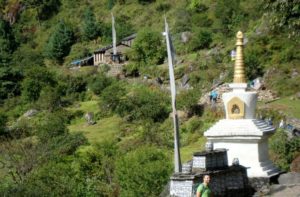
90, 28
7, 44
60, 42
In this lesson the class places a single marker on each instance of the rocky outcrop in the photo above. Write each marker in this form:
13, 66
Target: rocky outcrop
291, 178
263, 94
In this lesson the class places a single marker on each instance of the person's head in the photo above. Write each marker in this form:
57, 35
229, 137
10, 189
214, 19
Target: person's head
206, 179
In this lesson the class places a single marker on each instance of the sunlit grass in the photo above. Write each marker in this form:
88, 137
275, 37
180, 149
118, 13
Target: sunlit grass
286, 105
187, 151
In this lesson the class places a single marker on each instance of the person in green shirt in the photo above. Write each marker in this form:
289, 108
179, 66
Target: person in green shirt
203, 189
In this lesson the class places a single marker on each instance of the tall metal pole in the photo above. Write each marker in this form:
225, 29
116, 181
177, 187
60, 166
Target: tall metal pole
177, 159
114, 37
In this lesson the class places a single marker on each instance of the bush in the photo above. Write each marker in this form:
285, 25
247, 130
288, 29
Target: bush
50, 126
143, 103
112, 95
3, 120
50, 99
148, 48
254, 67
36, 79
284, 149
10, 79
201, 39
143, 172
188, 101
98, 83
72, 87
230, 15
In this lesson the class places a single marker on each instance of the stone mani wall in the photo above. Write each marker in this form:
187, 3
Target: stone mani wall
210, 160
231, 182
225, 181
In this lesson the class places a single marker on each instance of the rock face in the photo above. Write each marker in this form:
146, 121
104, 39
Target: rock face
291, 178
263, 95
284, 191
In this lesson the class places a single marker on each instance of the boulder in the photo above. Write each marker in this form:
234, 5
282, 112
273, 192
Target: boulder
294, 73
291, 178
30, 113
89, 117
298, 95
185, 79
185, 36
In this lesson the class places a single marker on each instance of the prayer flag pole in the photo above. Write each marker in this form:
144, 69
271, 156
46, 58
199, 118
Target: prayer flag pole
114, 37
177, 159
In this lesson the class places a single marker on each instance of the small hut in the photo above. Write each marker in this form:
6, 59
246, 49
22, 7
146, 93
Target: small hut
105, 55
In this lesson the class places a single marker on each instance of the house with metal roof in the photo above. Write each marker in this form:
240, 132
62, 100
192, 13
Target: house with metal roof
105, 55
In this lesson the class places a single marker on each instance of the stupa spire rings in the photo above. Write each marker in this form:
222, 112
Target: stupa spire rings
239, 67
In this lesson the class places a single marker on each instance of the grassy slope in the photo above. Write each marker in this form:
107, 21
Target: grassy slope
103, 129
187, 151
288, 106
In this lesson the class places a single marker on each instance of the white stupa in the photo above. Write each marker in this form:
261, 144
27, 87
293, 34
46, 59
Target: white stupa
245, 137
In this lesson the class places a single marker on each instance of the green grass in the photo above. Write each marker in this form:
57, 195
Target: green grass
288, 106
187, 151
103, 129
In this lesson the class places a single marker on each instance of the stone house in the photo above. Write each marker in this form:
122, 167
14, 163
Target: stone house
105, 55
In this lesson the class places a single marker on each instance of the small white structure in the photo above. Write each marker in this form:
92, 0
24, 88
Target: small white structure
245, 137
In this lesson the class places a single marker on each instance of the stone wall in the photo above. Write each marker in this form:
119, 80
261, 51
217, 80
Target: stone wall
208, 160
231, 181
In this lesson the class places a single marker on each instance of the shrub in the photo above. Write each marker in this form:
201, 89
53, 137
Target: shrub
50, 126
10, 79
3, 120
201, 39
36, 79
98, 83
144, 103
230, 15
148, 48
112, 95
188, 101
284, 149
50, 99
143, 172
254, 67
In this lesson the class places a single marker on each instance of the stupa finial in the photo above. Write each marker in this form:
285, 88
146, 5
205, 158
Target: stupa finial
239, 67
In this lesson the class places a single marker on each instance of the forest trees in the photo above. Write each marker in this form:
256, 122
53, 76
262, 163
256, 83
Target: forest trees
7, 43
284, 14
45, 8
90, 28
60, 42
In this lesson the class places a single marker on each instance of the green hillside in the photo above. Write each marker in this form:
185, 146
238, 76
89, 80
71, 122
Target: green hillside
46, 144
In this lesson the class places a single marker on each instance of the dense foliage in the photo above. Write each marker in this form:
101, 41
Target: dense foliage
60, 42
47, 147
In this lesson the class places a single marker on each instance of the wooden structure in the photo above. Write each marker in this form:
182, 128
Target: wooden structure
105, 55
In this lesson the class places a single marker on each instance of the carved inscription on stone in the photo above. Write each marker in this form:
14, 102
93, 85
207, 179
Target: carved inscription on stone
181, 188
199, 162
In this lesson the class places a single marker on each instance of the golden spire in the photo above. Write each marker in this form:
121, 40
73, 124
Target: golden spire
239, 68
